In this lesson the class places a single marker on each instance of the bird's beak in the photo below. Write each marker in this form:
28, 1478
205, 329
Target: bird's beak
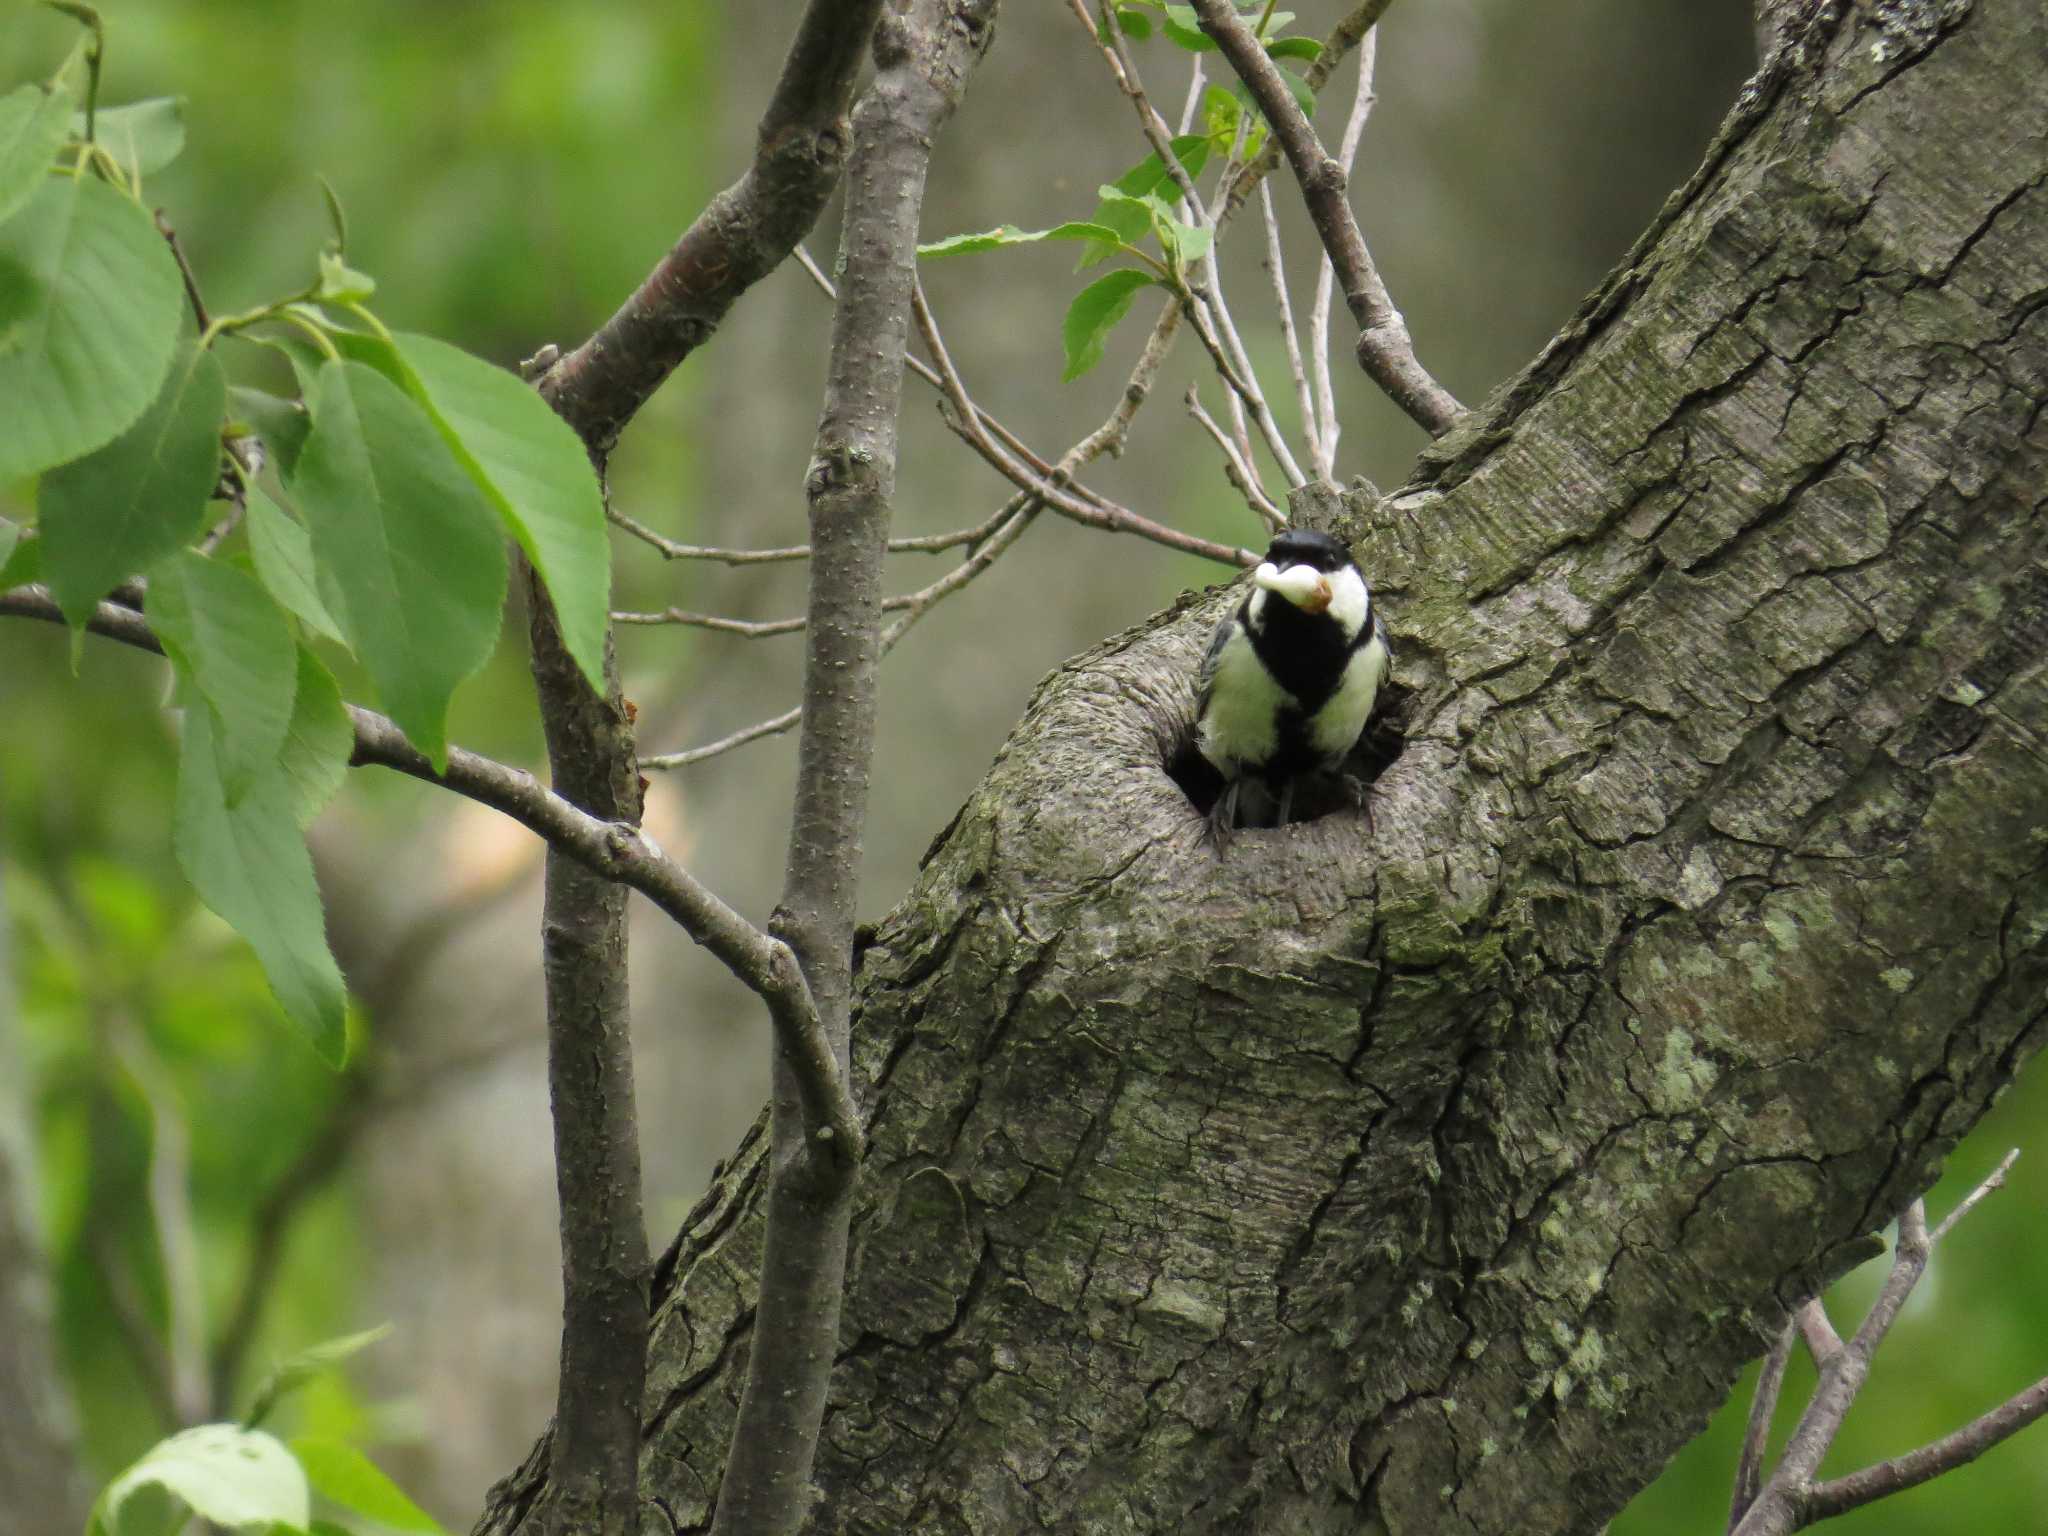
1302, 585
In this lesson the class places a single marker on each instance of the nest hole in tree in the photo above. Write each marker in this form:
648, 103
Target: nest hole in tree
1315, 794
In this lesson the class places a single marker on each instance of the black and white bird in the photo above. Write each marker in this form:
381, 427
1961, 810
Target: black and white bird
1290, 677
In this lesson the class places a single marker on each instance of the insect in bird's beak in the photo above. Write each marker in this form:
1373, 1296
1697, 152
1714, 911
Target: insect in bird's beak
1302, 585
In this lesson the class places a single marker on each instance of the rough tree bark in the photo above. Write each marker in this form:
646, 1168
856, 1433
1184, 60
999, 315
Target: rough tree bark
1441, 1178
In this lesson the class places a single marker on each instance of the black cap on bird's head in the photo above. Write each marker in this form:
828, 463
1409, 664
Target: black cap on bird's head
1307, 546
1307, 568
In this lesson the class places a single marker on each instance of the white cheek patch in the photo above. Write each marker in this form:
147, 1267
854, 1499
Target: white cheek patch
1350, 604
1302, 585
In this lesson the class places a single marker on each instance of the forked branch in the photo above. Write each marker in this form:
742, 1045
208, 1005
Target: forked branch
1793, 1499
1385, 351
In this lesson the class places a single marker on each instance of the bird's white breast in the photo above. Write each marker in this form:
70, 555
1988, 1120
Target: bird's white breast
1240, 725
1337, 724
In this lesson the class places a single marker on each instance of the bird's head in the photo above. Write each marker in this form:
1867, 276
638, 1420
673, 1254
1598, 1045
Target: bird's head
1315, 573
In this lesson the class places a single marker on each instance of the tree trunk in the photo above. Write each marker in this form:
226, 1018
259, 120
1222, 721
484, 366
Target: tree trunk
1441, 1175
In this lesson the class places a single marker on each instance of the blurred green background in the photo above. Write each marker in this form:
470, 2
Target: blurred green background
510, 171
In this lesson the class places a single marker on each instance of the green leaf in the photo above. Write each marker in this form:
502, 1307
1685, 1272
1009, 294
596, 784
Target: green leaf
1295, 48
342, 1473
336, 218
533, 468
1136, 24
341, 283
89, 304
1276, 24
413, 549
24, 562
1010, 234
144, 136
320, 741
1182, 26
282, 424
124, 506
1150, 174
294, 1371
1183, 242
229, 1475
283, 552
1094, 312
231, 642
33, 120
248, 862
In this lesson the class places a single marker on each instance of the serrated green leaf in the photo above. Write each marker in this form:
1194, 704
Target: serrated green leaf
232, 1476
248, 862
294, 1371
533, 468
282, 424
340, 1472
231, 643
1094, 313
283, 554
89, 304
341, 283
413, 549
144, 136
1182, 26
1010, 234
125, 505
32, 129
1295, 48
320, 741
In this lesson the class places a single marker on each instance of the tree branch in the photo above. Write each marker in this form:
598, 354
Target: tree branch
620, 853
923, 55
743, 235
1792, 1499
1385, 351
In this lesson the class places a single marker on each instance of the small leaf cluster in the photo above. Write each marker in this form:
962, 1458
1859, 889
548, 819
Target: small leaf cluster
369, 513
1140, 205
239, 1475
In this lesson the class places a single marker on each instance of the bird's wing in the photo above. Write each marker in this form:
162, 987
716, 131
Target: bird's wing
1205, 679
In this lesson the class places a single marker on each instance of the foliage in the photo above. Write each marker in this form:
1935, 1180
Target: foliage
238, 1475
376, 505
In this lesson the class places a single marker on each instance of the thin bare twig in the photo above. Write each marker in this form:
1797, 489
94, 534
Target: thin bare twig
751, 629
1110, 42
1385, 351
1276, 272
1791, 1499
1763, 1407
1838, 1495
1236, 468
1822, 1342
1328, 428
199, 314
670, 549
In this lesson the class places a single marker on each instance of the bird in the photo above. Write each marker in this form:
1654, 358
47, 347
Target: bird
1290, 675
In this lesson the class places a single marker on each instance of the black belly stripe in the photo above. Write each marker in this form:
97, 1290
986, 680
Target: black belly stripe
1305, 652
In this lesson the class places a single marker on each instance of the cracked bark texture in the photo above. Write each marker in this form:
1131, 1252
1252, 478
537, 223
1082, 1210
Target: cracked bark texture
1441, 1178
